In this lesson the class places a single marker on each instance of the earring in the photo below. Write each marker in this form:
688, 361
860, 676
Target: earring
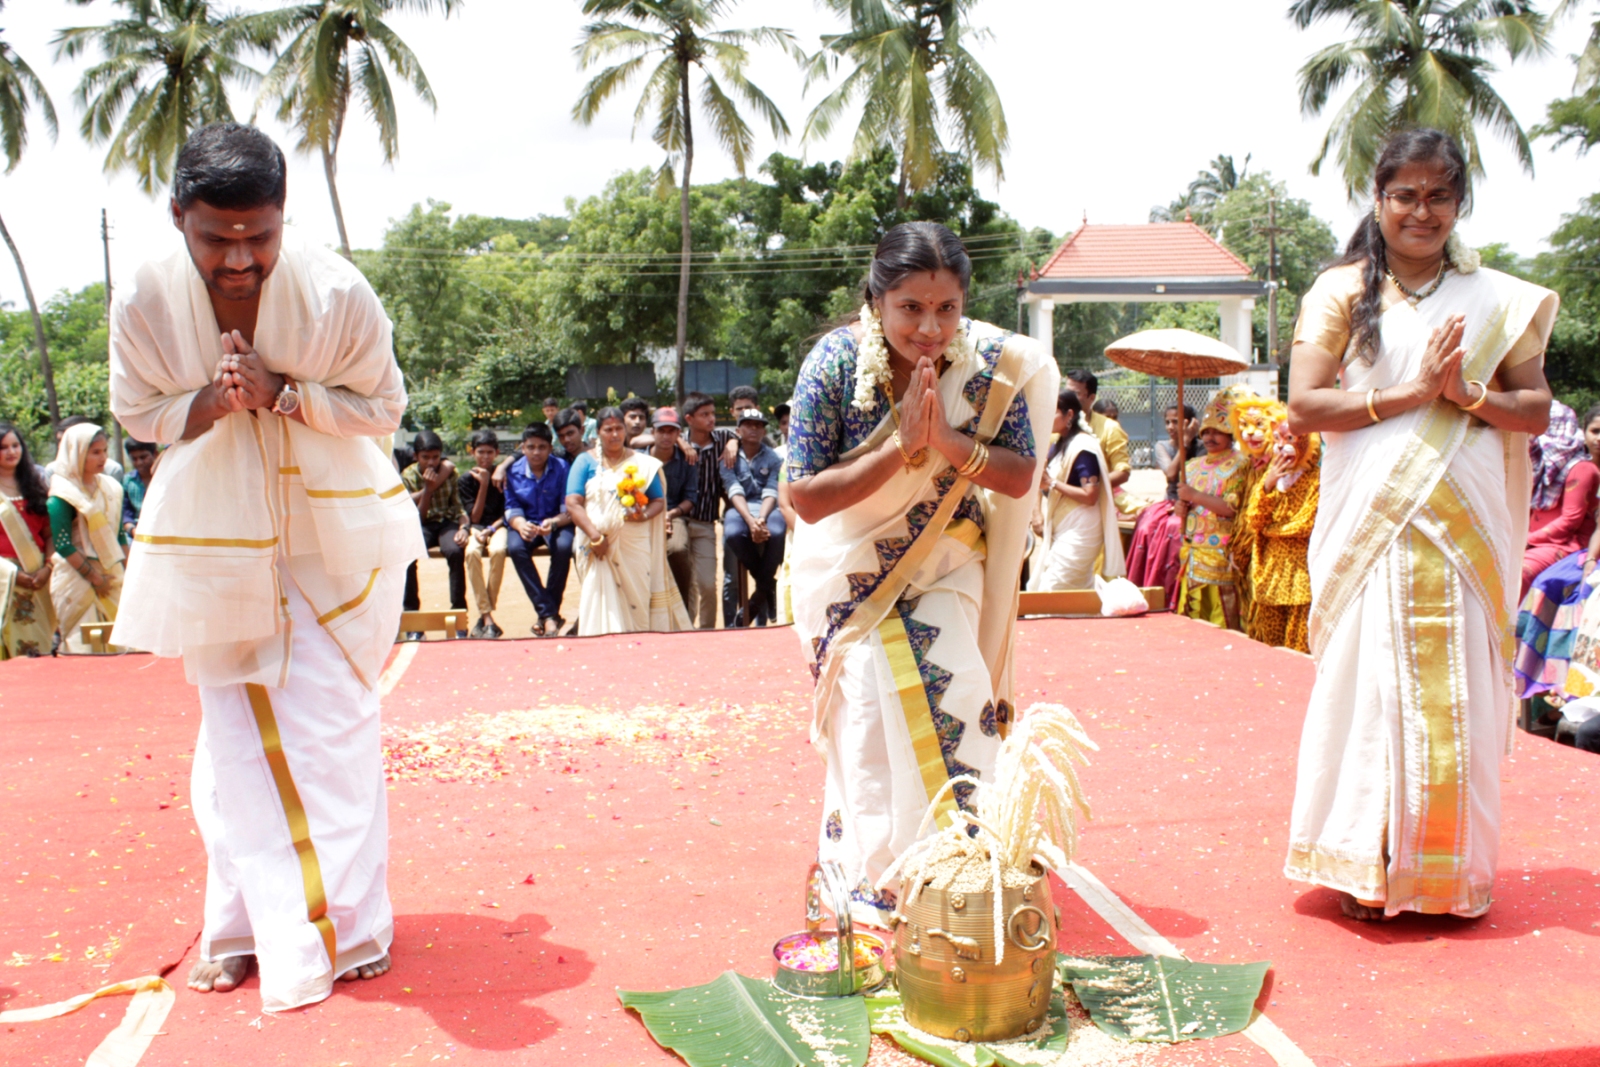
1377, 206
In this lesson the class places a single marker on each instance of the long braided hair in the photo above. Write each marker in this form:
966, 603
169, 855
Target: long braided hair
1366, 247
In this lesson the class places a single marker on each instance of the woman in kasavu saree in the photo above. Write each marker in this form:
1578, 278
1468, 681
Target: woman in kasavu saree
912, 468
1424, 373
616, 499
1077, 520
86, 525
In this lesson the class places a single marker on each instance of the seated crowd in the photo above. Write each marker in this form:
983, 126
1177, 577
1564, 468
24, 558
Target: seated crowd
637, 501
634, 501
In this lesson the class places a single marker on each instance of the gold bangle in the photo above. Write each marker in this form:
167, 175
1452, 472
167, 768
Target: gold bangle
1372, 405
1483, 395
975, 462
598, 540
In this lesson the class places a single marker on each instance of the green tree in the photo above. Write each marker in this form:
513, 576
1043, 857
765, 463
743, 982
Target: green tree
612, 293
1572, 268
1415, 63
918, 83
464, 295
1576, 119
165, 71
1305, 245
337, 52
20, 91
680, 37
75, 324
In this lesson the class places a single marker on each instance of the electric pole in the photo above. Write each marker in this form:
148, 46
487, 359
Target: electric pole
116, 427
1272, 278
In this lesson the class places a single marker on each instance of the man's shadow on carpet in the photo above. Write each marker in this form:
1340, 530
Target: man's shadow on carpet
472, 973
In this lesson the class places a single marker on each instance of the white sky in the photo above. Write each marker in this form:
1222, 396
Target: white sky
1113, 108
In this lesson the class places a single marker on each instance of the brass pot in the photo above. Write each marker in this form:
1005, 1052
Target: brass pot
944, 955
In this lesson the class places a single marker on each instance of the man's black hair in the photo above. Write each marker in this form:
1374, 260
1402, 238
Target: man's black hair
539, 430
581, 405
744, 392
69, 422
131, 446
567, 417
693, 402
1086, 379
230, 166
551, 402
635, 403
780, 411
484, 437
426, 441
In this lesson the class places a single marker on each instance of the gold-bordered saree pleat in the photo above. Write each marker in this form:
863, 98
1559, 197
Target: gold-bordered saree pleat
1429, 868
917, 711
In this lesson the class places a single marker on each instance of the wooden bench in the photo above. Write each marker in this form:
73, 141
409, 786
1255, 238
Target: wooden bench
97, 635
434, 621
1080, 603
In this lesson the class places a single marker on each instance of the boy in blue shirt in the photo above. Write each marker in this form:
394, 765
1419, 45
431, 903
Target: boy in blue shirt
753, 528
536, 513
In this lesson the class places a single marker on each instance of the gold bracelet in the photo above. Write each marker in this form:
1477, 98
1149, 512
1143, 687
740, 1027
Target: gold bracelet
970, 462
1483, 395
975, 462
912, 461
1372, 405
598, 540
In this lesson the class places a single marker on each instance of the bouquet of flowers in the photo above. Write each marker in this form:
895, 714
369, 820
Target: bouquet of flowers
631, 490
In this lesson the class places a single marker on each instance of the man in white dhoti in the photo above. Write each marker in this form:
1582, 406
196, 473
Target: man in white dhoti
1424, 375
272, 547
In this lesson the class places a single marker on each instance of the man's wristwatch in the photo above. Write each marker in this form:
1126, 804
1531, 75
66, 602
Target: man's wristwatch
288, 401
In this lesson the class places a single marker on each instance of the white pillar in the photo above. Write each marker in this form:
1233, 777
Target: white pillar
1235, 325
1247, 308
1042, 323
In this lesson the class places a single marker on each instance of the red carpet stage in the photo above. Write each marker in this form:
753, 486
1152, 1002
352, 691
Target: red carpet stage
572, 816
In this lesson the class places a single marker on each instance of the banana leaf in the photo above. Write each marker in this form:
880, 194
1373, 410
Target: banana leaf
734, 1019
1164, 998
885, 1013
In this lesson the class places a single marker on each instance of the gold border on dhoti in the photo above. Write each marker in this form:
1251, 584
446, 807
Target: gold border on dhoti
918, 714
294, 811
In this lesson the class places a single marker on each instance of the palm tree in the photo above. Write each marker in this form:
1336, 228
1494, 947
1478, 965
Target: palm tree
166, 71
1415, 63
918, 81
20, 90
679, 36
1207, 190
337, 51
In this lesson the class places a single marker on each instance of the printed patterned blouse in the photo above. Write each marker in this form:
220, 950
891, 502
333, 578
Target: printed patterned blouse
823, 425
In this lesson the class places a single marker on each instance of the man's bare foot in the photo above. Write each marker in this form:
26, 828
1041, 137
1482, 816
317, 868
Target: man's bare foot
1367, 913
367, 970
219, 976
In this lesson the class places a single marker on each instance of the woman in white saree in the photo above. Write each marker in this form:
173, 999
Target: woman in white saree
911, 467
1077, 521
86, 520
1423, 372
616, 500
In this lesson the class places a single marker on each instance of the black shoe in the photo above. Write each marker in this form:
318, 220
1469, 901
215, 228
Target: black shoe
477, 631
493, 632
413, 635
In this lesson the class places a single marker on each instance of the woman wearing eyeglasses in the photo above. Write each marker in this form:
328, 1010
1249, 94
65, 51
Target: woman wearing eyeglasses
1424, 374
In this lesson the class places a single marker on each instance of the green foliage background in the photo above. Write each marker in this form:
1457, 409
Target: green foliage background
490, 313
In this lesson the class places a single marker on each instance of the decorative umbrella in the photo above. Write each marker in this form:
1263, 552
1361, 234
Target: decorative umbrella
1177, 354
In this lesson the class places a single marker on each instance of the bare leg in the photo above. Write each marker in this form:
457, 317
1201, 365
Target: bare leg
1360, 911
367, 970
220, 976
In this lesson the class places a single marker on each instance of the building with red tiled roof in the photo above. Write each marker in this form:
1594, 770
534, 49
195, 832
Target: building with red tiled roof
1158, 261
